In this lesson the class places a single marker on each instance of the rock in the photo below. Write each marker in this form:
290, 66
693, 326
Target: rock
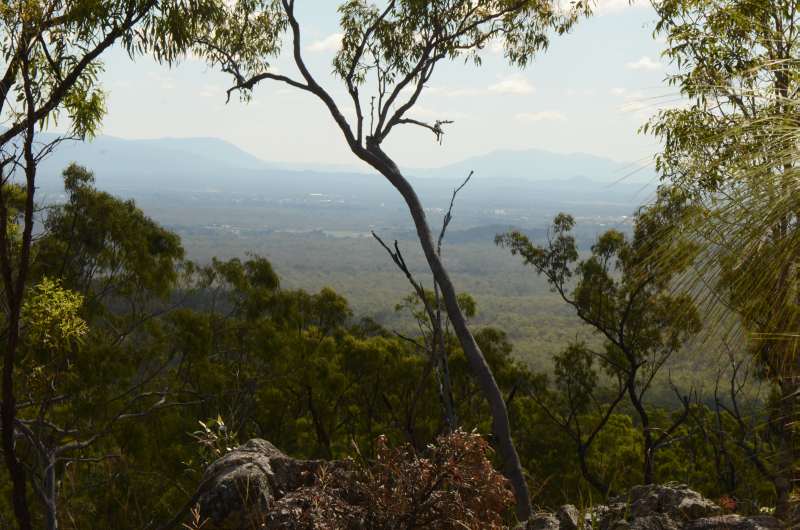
568, 517
735, 522
543, 522
678, 502
655, 507
240, 488
257, 486
604, 517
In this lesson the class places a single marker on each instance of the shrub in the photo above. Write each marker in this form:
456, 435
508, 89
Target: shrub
451, 486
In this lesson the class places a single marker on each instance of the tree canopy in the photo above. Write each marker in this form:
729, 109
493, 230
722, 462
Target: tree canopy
128, 369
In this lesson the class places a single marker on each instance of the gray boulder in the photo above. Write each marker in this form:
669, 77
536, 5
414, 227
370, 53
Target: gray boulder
653, 522
678, 502
241, 488
258, 486
544, 521
569, 518
654, 507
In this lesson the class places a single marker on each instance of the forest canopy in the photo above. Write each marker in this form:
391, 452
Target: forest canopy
129, 371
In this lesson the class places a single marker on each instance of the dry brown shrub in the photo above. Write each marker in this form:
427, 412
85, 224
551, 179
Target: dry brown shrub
451, 486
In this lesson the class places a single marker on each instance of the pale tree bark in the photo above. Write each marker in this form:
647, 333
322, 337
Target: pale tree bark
501, 426
435, 345
397, 94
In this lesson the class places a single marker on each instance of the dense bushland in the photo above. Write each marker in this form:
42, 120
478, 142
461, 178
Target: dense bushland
140, 368
127, 369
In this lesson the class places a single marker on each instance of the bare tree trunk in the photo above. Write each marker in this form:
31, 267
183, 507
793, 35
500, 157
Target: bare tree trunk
648, 446
434, 344
375, 157
51, 494
8, 415
323, 440
440, 357
14, 293
601, 487
480, 368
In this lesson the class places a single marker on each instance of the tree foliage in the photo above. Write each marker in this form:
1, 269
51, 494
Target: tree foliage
732, 151
626, 296
395, 48
117, 349
180, 362
451, 485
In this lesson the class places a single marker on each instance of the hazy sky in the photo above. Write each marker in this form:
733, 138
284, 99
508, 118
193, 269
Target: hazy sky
589, 92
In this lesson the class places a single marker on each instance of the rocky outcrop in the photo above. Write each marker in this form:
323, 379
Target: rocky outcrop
243, 488
654, 507
257, 486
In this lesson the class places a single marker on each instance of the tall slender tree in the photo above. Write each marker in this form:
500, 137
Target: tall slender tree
389, 53
627, 297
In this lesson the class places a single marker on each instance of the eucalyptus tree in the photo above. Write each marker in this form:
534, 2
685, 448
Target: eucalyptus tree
576, 405
116, 267
627, 297
389, 52
733, 148
49, 72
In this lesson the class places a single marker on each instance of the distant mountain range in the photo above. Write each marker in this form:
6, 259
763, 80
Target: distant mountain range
210, 163
537, 165
193, 182
111, 157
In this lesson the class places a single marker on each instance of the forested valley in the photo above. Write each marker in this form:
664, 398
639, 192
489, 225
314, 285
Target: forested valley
587, 369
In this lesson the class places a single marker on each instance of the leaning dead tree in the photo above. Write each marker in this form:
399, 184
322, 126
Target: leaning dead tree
388, 55
433, 326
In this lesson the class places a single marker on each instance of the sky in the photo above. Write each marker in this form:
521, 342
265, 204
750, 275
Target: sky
589, 92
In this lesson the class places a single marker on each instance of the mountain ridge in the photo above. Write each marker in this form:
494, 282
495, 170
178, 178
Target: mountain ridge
119, 161
538, 164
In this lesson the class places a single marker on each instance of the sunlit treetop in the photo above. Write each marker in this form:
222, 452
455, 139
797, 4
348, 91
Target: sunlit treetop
53, 48
736, 64
732, 148
391, 47
730, 48
51, 316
